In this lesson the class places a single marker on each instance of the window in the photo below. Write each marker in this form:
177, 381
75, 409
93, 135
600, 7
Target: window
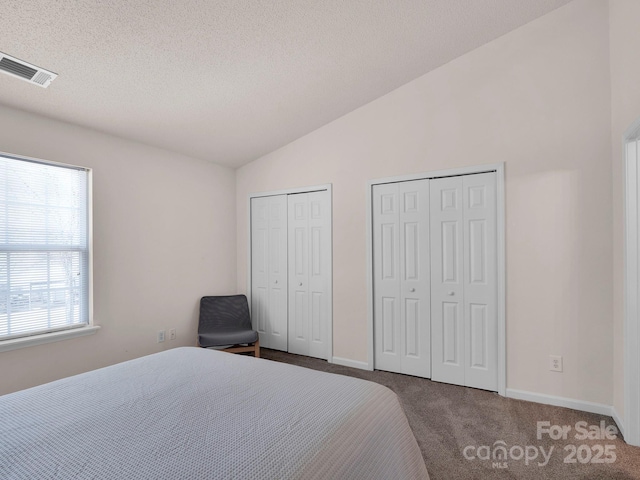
44, 247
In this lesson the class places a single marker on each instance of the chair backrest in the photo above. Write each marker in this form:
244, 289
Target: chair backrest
227, 311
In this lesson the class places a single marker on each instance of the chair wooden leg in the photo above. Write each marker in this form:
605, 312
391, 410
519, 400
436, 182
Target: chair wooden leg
252, 347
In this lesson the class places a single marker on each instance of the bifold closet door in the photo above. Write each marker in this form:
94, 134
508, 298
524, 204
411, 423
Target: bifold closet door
269, 270
401, 277
464, 280
309, 248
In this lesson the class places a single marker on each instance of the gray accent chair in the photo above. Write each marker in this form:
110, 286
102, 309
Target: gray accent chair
225, 322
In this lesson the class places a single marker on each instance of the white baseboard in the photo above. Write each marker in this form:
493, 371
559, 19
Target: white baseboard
616, 418
599, 408
346, 362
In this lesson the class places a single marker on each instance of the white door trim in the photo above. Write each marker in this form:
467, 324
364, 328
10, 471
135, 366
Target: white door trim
631, 289
500, 223
315, 188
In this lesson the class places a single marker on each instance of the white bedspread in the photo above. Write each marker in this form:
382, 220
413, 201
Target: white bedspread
191, 413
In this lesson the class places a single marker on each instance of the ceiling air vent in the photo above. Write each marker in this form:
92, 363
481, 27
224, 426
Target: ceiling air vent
26, 71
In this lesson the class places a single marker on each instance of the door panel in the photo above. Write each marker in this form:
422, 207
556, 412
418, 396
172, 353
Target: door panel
300, 317
447, 288
387, 329
411, 253
480, 279
450, 335
477, 251
259, 262
401, 277
319, 272
412, 327
415, 290
389, 253
478, 328
269, 270
259, 310
309, 277
316, 316
389, 326
450, 252
298, 274
278, 272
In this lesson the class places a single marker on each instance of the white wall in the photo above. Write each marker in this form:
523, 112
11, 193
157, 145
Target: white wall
164, 235
537, 99
625, 109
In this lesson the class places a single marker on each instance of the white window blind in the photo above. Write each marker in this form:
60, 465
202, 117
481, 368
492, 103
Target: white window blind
44, 254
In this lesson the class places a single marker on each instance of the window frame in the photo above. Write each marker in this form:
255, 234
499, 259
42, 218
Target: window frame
31, 339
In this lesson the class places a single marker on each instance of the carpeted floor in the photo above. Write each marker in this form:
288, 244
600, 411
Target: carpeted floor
448, 421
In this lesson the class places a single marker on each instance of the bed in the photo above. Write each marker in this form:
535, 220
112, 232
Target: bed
198, 414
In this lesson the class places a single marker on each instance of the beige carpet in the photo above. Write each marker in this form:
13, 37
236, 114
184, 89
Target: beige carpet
447, 419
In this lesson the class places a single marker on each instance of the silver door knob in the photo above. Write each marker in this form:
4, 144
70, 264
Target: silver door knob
300, 284
412, 289
451, 293
276, 281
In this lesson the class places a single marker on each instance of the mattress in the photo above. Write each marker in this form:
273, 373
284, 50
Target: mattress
194, 413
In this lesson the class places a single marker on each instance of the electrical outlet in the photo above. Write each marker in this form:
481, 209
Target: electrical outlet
161, 336
172, 334
555, 363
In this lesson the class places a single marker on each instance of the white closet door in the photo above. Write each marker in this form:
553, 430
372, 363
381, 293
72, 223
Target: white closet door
415, 291
447, 281
309, 270
386, 274
464, 280
401, 277
260, 267
269, 270
480, 281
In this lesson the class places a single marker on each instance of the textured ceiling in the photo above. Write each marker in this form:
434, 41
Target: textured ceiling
230, 80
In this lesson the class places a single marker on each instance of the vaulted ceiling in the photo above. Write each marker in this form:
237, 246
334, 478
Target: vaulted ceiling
230, 80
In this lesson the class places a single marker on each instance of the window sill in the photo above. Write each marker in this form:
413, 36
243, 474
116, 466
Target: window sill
24, 342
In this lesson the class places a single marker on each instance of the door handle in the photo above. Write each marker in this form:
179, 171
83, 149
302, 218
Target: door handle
451, 294
300, 284
276, 281
412, 289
